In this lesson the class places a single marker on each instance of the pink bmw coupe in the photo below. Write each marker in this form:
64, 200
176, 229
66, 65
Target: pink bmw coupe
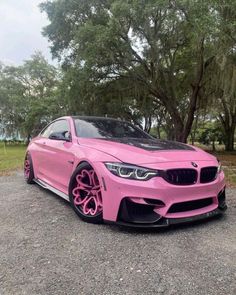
111, 171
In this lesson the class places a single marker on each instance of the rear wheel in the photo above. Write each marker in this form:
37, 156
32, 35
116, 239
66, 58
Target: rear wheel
28, 169
85, 194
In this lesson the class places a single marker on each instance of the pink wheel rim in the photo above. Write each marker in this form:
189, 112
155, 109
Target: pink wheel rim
27, 168
87, 193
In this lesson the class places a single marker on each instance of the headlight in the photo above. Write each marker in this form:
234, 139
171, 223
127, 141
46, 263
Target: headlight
131, 171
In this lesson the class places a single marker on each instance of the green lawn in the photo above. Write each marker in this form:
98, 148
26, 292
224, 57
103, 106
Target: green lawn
11, 157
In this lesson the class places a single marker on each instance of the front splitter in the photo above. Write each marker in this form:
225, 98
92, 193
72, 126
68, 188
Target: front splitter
165, 222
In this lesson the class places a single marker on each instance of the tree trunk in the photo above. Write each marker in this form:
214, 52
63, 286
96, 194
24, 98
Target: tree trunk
229, 124
195, 91
182, 129
192, 109
176, 132
229, 139
192, 138
174, 127
147, 123
213, 145
158, 132
193, 133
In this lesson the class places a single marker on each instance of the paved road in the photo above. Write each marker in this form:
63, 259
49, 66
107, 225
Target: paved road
46, 249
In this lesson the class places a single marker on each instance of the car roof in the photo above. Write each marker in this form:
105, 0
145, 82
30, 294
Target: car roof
94, 118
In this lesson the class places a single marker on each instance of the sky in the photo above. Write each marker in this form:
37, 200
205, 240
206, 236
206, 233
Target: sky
21, 24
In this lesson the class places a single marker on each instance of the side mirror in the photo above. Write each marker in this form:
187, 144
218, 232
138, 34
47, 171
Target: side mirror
59, 136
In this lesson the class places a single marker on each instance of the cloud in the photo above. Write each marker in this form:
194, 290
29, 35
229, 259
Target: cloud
21, 23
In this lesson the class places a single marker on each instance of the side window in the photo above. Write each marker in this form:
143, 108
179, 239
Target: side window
47, 131
61, 126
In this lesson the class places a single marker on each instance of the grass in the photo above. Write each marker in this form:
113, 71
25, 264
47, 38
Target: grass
11, 157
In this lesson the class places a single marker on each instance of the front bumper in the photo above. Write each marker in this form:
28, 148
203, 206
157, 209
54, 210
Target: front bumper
138, 215
116, 191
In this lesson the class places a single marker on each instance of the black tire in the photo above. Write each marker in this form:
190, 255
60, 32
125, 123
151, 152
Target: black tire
97, 218
29, 177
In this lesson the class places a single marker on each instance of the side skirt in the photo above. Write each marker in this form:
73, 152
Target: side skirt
51, 188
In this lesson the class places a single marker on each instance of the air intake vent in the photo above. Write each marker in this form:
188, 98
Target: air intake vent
208, 174
190, 205
181, 176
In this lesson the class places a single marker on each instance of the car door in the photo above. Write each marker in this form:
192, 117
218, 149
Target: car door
39, 156
57, 157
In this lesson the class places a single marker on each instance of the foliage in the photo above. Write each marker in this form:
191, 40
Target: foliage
210, 134
220, 85
163, 47
28, 96
167, 66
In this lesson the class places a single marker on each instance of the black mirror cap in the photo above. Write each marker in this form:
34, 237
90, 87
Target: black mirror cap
59, 136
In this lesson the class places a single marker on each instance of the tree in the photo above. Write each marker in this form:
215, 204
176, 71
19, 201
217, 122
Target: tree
29, 96
119, 98
222, 75
10, 92
210, 134
165, 47
225, 94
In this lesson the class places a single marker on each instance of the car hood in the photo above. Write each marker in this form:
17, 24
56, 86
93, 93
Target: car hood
146, 151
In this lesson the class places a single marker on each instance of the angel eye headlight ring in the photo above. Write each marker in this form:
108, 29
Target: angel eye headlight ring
129, 171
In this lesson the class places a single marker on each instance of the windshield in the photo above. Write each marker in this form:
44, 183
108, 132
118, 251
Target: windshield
107, 128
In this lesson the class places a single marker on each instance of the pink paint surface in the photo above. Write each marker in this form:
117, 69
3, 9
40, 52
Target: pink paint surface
52, 162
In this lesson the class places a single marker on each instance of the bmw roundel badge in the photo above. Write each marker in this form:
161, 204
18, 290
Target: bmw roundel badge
194, 164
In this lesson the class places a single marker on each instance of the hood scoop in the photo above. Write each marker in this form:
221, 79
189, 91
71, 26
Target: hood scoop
151, 144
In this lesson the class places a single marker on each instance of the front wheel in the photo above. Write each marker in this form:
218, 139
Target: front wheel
85, 194
28, 169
